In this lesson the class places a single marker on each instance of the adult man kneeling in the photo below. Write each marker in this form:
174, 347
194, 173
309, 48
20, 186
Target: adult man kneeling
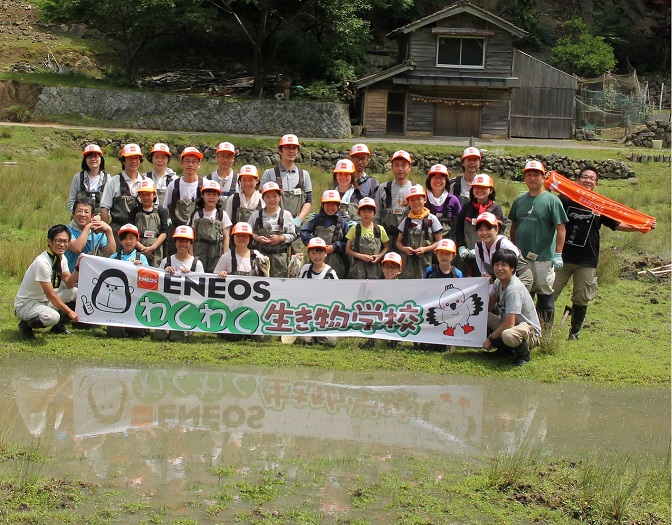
41, 300
513, 318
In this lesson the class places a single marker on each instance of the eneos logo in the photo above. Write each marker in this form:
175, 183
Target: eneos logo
148, 279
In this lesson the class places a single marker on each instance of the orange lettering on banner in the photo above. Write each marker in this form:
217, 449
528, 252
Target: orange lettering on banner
598, 203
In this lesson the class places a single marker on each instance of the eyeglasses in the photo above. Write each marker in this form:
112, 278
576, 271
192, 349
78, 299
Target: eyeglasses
60, 241
591, 179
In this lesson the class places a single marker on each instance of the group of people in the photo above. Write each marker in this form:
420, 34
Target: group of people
239, 223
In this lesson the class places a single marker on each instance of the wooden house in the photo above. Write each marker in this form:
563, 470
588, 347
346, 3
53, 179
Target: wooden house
459, 75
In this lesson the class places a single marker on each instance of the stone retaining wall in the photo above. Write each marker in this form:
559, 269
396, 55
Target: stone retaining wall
643, 135
190, 113
325, 158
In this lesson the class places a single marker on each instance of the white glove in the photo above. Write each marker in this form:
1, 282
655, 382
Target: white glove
463, 251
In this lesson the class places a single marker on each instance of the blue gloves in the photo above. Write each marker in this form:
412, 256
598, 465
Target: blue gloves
557, 261
297, 222
466, 253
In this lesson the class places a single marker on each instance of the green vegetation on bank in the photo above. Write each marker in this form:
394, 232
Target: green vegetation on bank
625, 342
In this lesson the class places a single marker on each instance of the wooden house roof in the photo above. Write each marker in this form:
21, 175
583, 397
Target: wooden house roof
463, 6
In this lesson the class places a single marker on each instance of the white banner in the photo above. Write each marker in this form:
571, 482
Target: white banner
441, 311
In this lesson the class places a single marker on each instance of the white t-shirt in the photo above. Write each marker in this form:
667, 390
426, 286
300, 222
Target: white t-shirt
38, 272
417, 223
178, 265
326, 273
188, 191
226, 221
113, 188
243, 264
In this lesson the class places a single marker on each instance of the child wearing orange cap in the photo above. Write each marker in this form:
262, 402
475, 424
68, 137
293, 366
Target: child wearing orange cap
128, 238
418, 234
367, 243
151, 221
211, 226
318, 269
445, 252
330, 224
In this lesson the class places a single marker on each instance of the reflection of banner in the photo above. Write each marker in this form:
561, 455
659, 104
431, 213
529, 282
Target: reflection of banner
446, 311
598, 203
435, 417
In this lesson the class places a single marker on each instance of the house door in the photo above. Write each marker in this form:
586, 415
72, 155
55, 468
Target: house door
396, 110
457, 121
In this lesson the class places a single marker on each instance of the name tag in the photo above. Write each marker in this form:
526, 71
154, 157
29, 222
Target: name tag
148, 234
297, 191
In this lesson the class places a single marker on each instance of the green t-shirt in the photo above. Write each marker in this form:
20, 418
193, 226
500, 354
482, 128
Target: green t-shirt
366, 232
536, 219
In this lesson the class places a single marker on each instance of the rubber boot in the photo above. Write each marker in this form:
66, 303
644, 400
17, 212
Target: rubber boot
578, 315
26, 327
546, 312
521, 354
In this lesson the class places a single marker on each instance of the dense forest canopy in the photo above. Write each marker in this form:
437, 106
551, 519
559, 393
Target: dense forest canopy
333, 42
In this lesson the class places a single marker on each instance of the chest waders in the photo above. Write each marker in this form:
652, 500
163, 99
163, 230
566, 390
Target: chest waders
330, 235
161, 193
277, 254
350, 210
149, 226
388, 220
240, 213
292, 203
93, 195
226, 194
446, 219
413, 265
180, 213
368, 246
208, 239
121, 207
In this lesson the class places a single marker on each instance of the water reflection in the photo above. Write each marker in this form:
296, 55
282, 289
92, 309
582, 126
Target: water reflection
148, 425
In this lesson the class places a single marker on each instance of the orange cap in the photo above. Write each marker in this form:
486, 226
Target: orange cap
226, 147
289, 140
359, 149
131, 150
242, 228
482, 180
92, 148
190, 150
344, 166
401, 154
184, 232
248, 171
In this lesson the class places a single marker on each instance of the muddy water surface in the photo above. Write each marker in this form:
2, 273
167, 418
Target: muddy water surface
159, 429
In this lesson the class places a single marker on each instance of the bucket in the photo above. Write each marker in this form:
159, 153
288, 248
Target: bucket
657, 144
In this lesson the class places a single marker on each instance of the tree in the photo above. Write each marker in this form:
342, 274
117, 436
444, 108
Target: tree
129, 24
581, 53
337, 30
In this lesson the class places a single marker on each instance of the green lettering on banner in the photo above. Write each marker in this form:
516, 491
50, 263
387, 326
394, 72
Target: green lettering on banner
153, 310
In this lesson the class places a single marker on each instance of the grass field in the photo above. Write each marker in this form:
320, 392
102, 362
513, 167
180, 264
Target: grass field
626, 342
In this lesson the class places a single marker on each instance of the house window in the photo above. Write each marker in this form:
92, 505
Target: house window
461, 52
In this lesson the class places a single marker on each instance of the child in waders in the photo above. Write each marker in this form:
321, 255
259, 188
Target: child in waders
225, 154
128, 238
390, 198
120, 193
161, 174
211, 226
274, 230
182, 193
152, 223
440, 201
240, 206
392, 266
481, 199
331, 226
181, 262
418, 234
318, 269
367, 243
90, 181
240, 260
445, 252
